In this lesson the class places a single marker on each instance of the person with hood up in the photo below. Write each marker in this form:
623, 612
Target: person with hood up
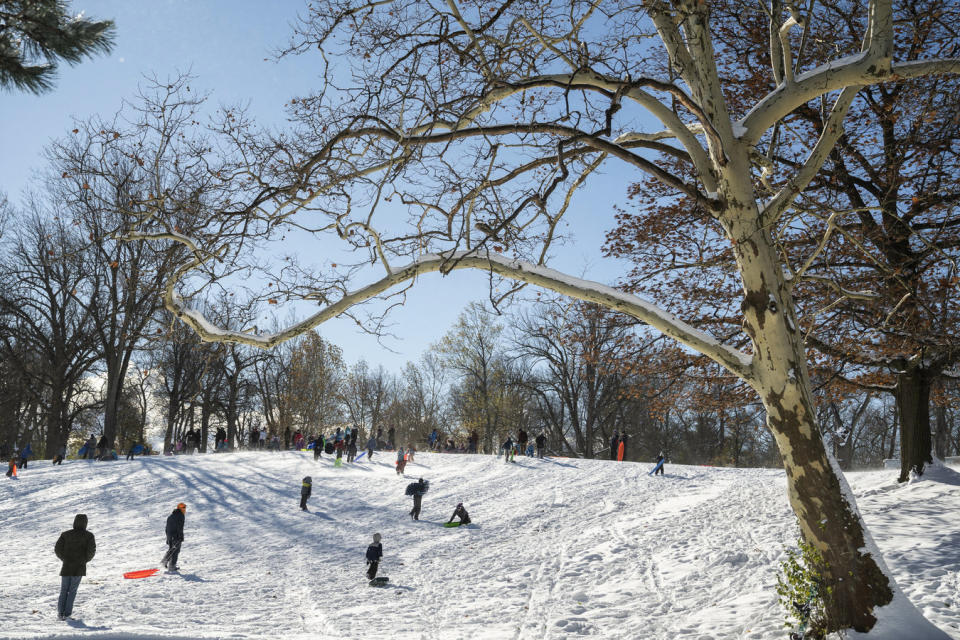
374, 553
460, 512
305, 490
417, 489
75, 548
174, 537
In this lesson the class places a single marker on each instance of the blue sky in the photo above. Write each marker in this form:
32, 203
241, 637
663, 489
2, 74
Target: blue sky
228, 45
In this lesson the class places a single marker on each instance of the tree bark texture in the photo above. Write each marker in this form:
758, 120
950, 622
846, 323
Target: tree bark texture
913, 405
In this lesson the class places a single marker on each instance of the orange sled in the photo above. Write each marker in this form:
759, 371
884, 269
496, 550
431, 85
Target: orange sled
145, 573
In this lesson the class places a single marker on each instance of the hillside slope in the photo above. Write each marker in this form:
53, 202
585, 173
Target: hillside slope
560, 548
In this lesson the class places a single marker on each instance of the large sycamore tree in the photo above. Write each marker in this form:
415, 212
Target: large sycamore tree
454, 135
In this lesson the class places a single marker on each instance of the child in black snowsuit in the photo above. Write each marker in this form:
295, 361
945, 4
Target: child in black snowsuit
460, 512
305, 490
374, 553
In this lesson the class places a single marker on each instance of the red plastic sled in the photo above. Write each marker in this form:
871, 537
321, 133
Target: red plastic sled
145, 573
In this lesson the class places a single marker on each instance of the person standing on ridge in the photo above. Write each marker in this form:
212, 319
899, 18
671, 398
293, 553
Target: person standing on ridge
660, 458
75, 548
174, 537
541, 441
614, 443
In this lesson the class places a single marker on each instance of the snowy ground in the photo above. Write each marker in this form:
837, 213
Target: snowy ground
560, 548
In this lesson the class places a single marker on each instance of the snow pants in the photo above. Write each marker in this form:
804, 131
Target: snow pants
372, 570
173, 552
303, 502
417, 501
659, 472
68, 593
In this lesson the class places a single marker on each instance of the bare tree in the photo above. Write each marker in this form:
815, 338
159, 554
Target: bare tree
479, 123
47, 330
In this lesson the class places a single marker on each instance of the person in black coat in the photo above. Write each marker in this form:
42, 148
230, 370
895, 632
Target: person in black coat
541, 444
305, 490
659, 471
75, 548
460, 512
614, 443
174, 537
417, 489
374, 553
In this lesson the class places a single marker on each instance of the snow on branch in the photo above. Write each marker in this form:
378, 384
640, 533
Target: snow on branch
736, 362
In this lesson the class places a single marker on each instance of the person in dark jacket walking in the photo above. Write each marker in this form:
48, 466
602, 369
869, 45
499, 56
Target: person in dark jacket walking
25, 456
417, 489
371, 445
374, 553
174, 537
390, 434
61, 454
460, 512
75, 548
305, 490
541, 444
522, 441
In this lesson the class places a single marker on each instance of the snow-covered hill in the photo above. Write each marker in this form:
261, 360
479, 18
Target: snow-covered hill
559, 548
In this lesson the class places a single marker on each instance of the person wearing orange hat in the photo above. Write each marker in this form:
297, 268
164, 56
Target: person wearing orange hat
174, 537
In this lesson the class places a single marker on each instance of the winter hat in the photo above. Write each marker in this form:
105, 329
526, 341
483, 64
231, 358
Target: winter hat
181, 506
307, 479
376, 537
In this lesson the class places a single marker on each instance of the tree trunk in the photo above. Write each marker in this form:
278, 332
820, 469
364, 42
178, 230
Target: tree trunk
828, 519
941, 440
111, 403
913, 405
